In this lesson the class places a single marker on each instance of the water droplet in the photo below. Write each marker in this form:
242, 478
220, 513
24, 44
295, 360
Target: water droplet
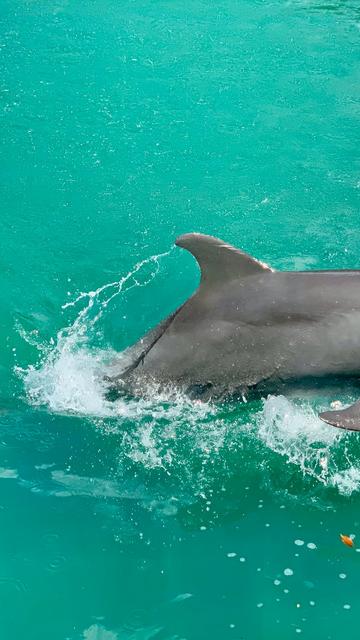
311, 545
299, 543
347, 606
342, 576
288, 572
231, 555
277, 582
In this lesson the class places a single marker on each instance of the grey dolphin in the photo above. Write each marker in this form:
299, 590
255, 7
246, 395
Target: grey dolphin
247, 324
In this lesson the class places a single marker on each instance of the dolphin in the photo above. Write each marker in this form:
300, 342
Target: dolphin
248, 324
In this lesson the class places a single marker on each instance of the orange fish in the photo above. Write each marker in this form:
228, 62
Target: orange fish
346, 540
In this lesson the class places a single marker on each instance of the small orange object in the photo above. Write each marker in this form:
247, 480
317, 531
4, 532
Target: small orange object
346, 540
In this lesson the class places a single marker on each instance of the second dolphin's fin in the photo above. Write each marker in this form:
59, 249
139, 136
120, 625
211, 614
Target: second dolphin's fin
344, 418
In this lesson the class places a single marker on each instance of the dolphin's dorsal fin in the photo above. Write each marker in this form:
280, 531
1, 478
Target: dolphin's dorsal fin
219, 261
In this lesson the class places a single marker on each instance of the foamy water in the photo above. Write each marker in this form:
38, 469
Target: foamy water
69, 376
298, 434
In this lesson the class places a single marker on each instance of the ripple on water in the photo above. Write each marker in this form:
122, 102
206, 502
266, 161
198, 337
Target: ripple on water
13, 585
56, 563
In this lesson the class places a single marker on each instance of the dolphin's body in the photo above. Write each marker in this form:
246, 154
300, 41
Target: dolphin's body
247, 324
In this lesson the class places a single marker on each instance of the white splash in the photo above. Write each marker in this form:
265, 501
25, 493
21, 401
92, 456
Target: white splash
69, 376
298, 434
69, 381
295, 432
347, 480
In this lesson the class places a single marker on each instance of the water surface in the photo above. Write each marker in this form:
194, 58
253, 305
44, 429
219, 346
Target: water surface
123, 126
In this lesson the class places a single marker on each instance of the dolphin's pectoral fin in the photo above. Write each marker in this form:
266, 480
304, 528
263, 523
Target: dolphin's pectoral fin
219, 261
345, 418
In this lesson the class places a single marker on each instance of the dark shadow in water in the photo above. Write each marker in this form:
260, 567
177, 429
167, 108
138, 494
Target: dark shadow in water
343, 8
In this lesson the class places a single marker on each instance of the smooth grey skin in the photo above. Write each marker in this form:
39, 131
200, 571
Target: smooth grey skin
247, 323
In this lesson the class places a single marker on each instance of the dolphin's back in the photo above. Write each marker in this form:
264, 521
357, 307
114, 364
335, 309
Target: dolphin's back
246, 334
247, 323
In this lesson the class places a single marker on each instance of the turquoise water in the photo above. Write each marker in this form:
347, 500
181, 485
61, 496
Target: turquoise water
124, 125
